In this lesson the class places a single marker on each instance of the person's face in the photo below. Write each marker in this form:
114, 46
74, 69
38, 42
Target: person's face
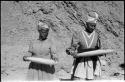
43, 31
90, 26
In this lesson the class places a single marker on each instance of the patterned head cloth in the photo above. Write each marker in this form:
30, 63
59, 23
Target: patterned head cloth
42, 25
92, 17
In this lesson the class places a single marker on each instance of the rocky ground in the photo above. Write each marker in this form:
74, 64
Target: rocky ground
18, 28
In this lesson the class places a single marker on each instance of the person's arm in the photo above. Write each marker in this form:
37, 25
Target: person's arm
98, 46
53, 54
29, 52
72, 50
102, 62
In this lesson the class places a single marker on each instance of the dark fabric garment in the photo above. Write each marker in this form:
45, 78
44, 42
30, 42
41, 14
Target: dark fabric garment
40, 72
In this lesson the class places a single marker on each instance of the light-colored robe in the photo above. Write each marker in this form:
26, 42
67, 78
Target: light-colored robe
86, 67
40, 71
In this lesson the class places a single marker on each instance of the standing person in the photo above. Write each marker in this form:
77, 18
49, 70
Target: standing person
86, 40
42, 48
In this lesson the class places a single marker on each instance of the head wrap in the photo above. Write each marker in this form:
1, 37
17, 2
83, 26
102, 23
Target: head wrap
92, 17
42, 25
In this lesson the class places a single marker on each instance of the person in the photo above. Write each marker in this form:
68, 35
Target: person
42, 48
85, 68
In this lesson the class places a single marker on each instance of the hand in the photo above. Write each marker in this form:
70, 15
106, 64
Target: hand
70, 51
25, 58
74, 54
54, 57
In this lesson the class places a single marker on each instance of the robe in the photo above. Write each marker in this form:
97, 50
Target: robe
36, 71
86, 67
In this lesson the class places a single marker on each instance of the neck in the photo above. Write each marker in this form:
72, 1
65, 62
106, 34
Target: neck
42, 39
89, 31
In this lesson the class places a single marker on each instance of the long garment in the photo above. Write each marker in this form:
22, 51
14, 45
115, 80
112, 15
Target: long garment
86, 67
41, 71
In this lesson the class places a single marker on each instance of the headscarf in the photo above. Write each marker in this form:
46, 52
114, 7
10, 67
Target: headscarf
92, 17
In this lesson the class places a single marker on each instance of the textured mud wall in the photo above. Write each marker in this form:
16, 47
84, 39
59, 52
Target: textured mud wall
18, 27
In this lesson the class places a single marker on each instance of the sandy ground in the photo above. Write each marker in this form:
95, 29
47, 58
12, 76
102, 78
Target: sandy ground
20, 75
17, 69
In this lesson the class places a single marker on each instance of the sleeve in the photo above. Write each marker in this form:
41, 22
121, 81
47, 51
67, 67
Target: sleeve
98, 46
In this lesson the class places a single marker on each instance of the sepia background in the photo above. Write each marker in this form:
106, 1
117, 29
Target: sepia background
18, 28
